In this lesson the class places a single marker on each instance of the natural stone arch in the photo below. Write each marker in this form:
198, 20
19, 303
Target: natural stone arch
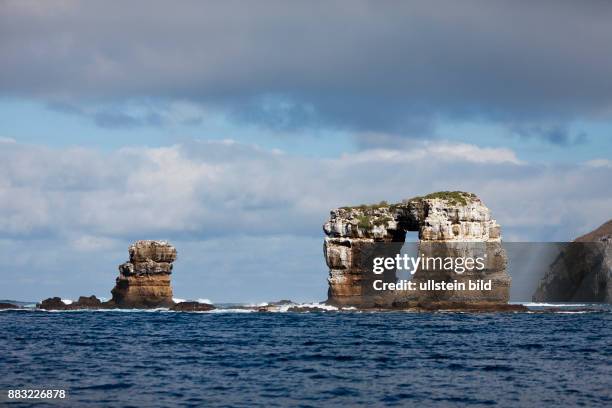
448, 223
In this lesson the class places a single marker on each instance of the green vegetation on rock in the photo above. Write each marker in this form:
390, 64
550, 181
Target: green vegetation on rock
363, 222
366, 207
452, 197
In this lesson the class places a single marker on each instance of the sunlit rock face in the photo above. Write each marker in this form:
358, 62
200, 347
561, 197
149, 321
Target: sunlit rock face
582, 272
449, 224
144, 281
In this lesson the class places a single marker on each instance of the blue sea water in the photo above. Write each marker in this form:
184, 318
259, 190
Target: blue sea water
160, 359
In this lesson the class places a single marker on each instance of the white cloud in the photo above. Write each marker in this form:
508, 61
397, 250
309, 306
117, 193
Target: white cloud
440, 151
389, 68
211, 188
88, 243
599, 163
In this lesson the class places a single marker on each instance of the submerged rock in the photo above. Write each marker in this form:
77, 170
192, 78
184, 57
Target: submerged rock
449, 224
308, 309
582, 272
144, 281
192, 307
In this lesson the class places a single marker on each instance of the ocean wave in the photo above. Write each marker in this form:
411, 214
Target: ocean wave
229, 310
537, 304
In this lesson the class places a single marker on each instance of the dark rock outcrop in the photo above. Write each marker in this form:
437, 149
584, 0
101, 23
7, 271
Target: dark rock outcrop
306, 309
144, 281
4, 306
192, 307
56, 303
53, 303
450, 224
582, 272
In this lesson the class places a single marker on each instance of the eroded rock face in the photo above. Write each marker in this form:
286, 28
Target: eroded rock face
144, 281
449, 224
582, 272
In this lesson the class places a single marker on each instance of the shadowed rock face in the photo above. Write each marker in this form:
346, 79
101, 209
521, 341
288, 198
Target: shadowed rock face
144, 281
450, 224
582, 272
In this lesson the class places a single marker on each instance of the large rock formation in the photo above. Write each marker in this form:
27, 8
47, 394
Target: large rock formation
582, 272
144, 281
450, 224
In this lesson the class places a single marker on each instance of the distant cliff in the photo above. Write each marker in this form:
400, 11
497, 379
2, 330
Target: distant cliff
582, 272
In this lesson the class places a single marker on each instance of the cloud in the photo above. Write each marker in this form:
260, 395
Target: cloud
556, 134
599, 163
444, 152
210, 189
357, 65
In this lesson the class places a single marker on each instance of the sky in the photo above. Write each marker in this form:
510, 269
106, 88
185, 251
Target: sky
231, 131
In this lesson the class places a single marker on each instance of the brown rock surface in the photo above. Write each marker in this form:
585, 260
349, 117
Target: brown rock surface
450, 224
144, 281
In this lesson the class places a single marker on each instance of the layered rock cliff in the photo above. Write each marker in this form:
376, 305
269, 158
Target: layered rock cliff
144, 281
450, 224
582, 272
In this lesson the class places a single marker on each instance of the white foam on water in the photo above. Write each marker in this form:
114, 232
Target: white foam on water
315, 306
536, 304
229, 311
178, 300
67, 301
207, 301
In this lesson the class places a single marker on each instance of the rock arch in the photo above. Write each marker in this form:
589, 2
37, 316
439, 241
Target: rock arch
448, 223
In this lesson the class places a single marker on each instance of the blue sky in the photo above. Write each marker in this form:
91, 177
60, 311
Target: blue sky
232, 131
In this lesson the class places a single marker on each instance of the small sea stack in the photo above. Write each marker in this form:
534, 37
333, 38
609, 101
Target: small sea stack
144, 281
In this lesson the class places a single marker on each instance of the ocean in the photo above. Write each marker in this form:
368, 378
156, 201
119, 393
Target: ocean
231, 359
